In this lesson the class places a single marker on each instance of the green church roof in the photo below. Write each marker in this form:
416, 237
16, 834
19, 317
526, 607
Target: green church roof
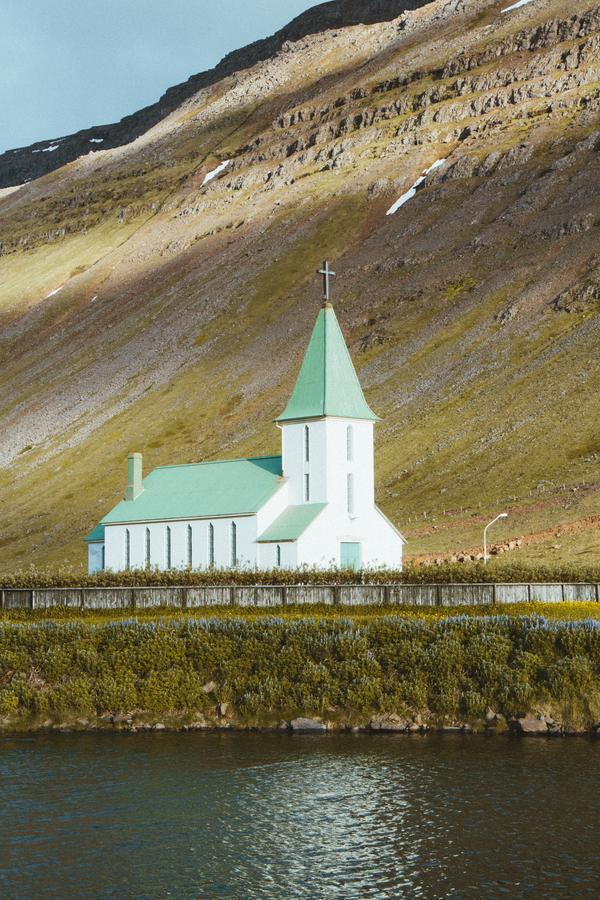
228, 488
327, 384
96, 535
292, 522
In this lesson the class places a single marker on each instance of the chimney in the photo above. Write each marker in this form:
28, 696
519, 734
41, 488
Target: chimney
134, 476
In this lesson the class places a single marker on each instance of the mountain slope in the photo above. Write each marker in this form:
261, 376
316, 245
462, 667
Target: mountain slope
142, 308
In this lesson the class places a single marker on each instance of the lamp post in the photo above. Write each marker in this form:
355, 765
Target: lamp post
485, 553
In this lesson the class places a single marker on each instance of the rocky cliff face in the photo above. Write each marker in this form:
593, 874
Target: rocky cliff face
27, 163
146, 304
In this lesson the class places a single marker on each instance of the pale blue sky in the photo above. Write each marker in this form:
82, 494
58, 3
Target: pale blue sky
69, 64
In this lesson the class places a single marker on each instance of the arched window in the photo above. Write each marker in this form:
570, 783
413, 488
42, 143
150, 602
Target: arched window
350, 443
148, 553
211, 544
306, 443
234, 559
189, 547
278, 556
307, 488
127, 549
168, 558
350, 494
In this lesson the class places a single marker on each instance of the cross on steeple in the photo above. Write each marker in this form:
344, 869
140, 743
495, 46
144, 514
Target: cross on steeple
327, 275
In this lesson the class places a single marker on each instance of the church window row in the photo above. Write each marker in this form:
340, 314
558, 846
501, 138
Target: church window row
306, 443
189, 546
307, 488
350, 443
278, 556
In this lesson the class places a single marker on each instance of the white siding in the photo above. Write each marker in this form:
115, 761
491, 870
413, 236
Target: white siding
95, 557
245, 538
267, 555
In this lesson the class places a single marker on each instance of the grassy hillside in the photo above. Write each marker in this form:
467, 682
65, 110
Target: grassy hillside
142, 310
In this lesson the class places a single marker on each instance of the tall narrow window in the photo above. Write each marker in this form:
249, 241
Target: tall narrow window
234, 559
148, 554
306, 443
211, 544
127, 549
307, 488
350, 443
350, 494
189, 547
168, 557
278, 556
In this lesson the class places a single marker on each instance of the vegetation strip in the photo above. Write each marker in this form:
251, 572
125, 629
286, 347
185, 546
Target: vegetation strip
379, 672
448, 573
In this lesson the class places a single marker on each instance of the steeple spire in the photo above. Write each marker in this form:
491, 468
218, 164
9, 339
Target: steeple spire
327, 384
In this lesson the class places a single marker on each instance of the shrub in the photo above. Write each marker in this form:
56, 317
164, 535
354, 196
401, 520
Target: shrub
448, 573
269, 668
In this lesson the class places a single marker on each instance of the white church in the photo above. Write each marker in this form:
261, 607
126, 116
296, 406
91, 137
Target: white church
312, 506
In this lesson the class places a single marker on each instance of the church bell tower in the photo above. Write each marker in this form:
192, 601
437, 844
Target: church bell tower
327, 426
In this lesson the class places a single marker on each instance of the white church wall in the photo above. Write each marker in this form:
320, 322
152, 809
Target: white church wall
273, 508
95, 557
267, 555
328, 465
296, 466
246, 534
338, 466
320, 545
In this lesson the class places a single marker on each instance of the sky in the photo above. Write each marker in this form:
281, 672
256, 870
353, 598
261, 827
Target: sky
70, 64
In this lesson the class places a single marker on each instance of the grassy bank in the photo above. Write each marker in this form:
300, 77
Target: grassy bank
260, 671
449, 573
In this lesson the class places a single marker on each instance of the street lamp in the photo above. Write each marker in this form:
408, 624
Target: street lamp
485, 554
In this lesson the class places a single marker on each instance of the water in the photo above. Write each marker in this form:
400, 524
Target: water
247, 816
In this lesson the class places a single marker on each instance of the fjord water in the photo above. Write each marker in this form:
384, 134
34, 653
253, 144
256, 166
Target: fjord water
254, 815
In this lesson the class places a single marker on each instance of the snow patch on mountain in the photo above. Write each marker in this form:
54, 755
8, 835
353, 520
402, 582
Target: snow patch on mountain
215, 172
516, 5
413, 190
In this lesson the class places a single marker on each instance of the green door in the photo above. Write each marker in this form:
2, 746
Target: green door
350, 556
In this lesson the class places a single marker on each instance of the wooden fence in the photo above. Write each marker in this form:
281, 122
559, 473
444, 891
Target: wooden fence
273, 596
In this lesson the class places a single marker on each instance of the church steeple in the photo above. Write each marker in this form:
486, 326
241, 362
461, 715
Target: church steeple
327, 384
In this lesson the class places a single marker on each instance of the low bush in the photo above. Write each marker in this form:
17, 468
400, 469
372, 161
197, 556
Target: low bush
445, 670
448, 573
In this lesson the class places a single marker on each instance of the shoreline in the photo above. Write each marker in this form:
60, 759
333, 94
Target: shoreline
122, 724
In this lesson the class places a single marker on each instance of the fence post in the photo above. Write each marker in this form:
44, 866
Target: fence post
284, 599
32, 600
562, 592
438, 595
232, 596
184, 598
386, 594
132, 598
82, 598
336, 595
494, 593
529, 592
2, 599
